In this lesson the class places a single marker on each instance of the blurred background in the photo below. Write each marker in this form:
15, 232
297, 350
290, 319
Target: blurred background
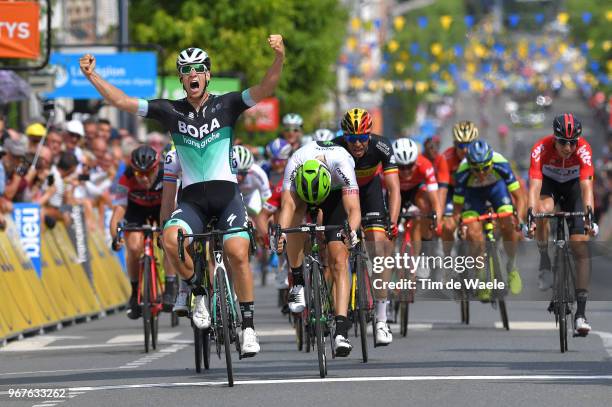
418, 66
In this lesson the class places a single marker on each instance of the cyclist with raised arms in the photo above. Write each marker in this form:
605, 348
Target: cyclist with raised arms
201, 126
561, 173
137, 198
373, 156
483, 177
321, 174
464, 133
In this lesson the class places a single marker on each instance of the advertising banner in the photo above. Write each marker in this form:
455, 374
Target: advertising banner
78, 235
19, 36
134, 73
263, 116
27, 221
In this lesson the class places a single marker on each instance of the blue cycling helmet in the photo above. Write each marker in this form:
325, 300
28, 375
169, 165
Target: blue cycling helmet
278, 149
479, 153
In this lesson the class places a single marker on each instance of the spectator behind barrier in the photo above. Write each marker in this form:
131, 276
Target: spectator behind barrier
73, 138
54, 142
15, 169
35, 133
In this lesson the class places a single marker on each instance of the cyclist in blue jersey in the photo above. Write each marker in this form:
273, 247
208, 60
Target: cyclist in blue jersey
201, 126
484, 178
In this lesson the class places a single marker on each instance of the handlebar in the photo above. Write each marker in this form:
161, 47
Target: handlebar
414, 215
588, 216
211, 234
487, 216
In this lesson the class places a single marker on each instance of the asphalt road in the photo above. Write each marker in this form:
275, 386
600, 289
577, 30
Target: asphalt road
102, 363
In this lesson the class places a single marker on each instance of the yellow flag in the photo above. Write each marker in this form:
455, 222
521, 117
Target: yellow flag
404, 56
436, 49
609, 66
606, 45
393, 46
563, 18
400, 67
609, 15
398, 22
446, 21
351, 43
355, 23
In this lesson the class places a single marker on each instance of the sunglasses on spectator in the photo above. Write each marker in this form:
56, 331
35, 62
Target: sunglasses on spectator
407, 167
462, 146
565, 142
186, 69
481, 168
353, 138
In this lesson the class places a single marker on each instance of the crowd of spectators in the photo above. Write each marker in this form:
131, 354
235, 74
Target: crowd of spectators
71, 163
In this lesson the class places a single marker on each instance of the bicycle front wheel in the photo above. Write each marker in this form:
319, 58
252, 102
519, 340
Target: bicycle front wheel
222, 290
562, 309
362, 306
146, 300
197, 344
318, 316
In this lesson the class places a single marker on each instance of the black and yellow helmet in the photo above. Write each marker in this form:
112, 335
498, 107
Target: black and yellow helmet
357, 121
465, 132
313, 182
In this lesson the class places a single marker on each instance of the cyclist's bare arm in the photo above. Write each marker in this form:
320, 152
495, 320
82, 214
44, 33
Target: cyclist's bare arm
519, 200
288, 206
111, 94
270, 80
442, 192
586, 188
168, 201
535, 186
350, 201
118, 214
393, 185
436, 206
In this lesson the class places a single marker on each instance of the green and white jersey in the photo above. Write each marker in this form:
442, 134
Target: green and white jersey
204, 138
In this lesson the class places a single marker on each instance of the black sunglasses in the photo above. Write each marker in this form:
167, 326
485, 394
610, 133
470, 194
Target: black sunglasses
407, 167
565, 142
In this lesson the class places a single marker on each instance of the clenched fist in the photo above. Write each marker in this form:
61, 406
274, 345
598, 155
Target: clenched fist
276, 43
88, 64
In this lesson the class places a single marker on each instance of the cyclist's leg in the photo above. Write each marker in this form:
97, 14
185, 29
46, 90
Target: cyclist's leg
502, 203
134, 243
474, 205
572, 201
448, 224
337, 260
548, 196
188, 218
378, 244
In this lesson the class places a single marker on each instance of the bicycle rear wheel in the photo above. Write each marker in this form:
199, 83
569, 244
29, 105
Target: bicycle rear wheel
222, 289
299, 332
206, 348
197, 344
362, 309
495, 273
404, 318
318, 323
562, 309
146, 300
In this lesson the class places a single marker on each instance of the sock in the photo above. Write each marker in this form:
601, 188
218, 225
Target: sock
381, 310
581, 300
134, 285
342, 325
511, 263
298, 275
247, 309
193, 280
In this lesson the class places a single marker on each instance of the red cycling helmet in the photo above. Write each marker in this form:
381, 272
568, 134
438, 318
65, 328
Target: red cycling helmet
566, 126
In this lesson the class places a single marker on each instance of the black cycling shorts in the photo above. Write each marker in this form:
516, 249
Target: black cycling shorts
372, 202
333, 214
569, 198
141, 215
409, 196
204, 200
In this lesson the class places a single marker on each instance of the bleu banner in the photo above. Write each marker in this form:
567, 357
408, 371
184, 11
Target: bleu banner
27, 220
133, 72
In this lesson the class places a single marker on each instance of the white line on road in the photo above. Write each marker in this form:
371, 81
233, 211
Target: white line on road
165, 336
354, 379
606, 338
150, 358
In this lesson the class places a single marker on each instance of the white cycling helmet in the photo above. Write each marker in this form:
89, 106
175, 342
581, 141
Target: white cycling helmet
242, 158
292, 120
323, 135
193, 56
405, 151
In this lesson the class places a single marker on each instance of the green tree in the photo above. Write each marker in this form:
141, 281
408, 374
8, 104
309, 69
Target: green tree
234, 33
595, 31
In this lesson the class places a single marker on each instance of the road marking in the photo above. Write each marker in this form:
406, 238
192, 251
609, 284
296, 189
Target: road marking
150, 358
606, 338
529, 325
352, 379
35, 342
140, 337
